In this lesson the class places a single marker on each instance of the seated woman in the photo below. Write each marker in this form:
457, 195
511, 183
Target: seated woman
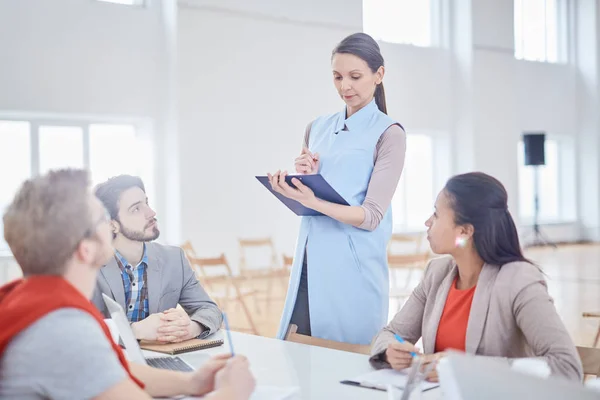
485, 298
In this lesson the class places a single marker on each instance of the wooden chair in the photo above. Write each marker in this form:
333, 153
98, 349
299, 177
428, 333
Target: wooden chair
292, 336
251, 269
590, 358
217, 279
594, 315
413, 257
288, 262
272, 271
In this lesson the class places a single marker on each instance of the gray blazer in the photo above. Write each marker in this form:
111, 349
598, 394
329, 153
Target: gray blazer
512, 316
171, 281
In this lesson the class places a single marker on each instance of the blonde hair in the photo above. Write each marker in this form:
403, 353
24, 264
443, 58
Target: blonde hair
47, 219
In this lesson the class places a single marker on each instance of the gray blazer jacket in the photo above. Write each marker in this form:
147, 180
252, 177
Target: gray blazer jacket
512, 316
171, 281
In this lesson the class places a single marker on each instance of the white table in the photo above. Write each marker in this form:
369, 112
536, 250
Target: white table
316, 371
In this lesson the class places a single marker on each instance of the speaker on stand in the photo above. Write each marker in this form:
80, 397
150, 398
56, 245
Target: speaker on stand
533, 144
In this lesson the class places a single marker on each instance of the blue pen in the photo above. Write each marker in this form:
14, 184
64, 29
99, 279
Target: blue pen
228, 334
398, 338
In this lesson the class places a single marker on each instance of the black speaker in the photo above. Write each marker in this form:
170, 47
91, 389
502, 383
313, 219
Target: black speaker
534, 148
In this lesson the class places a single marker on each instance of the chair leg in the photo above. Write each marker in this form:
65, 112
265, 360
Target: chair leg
248, 316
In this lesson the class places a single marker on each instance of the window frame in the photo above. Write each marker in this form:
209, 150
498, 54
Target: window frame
143, 129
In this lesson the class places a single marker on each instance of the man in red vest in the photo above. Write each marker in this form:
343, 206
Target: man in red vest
53, 341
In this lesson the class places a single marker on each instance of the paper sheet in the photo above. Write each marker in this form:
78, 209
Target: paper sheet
384, 377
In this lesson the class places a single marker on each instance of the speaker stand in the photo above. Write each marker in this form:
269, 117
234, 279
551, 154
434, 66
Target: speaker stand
539, 239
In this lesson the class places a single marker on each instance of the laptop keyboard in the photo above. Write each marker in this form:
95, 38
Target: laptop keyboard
170, 363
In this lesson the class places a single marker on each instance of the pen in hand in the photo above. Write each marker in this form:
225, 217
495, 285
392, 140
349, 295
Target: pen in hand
399, 339
228, 334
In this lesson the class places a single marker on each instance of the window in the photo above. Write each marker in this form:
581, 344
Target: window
548, 185
125, 2
15, 163
413, 201
104, 152
60, 147
399, 21
29, 147
539, 25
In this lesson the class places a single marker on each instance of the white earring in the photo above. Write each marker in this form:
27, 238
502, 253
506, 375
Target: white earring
461, 241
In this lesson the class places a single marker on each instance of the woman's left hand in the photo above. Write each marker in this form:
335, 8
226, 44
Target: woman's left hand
301, 193
432, 375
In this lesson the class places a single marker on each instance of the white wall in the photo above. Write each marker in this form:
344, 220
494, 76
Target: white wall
252, 74
74, 56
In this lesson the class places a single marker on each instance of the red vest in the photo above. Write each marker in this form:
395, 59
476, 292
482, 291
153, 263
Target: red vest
24, 301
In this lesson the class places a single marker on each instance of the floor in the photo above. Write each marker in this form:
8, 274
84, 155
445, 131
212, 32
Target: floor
574, 283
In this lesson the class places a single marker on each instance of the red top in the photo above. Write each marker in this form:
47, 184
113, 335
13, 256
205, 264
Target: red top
24, 301
452, 330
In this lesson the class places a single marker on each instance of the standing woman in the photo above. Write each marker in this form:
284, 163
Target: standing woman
339, 285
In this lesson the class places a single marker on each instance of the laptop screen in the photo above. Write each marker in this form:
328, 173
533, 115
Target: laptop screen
132, 347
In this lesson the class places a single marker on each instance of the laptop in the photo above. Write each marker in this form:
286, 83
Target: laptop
478, 378
132, 347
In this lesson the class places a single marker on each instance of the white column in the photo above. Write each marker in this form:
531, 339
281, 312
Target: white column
168, 177
584, 43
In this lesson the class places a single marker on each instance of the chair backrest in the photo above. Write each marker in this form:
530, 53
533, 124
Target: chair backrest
288, 262
254, 247
405, 250
190, 254
188, 249
208, 270
590, 358
208, 266
293, 336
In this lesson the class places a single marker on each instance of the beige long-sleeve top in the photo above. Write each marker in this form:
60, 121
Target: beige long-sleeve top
512, 316
388, 159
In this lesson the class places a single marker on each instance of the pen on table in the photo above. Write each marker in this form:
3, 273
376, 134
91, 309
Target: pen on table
228, 334
398, 338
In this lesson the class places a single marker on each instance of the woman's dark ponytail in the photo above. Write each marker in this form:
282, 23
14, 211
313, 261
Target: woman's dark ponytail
380, 98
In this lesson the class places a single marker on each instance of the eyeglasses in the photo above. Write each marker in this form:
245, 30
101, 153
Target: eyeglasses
90, 231
105, 218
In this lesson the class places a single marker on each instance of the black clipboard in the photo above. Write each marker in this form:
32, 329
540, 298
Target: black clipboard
319, 186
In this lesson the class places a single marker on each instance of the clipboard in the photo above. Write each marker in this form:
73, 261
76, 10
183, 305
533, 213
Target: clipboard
319, 186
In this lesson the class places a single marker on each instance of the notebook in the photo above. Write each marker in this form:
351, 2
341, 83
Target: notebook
182, 347
316, 182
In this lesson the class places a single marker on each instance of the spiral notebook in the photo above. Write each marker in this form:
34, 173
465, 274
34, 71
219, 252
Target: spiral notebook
183, 347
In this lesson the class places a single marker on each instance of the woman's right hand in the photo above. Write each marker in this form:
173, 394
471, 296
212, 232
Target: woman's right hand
235, 379
307, 163
399, 356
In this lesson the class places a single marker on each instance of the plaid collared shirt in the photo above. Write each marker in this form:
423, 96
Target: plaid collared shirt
135, 283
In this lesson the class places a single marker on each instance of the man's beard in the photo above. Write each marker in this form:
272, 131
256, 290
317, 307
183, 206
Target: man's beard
140, 236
